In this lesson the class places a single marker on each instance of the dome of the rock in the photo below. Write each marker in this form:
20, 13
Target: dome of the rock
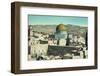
61, 27
61, 32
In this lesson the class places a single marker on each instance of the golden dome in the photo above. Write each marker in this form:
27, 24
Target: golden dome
60, 27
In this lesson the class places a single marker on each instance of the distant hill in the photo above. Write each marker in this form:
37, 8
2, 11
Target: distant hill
74, 29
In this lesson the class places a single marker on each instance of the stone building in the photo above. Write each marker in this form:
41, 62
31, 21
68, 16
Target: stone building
38, 50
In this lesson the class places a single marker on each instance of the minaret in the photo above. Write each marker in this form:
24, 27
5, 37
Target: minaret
67, 40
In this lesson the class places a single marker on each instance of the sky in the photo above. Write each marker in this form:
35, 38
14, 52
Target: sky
51, 20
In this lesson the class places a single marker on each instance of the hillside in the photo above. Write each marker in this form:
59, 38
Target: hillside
74, 29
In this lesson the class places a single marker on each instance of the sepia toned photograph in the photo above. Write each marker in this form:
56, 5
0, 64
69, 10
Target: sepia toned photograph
52, 37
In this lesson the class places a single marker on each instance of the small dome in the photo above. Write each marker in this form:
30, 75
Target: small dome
60, 27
